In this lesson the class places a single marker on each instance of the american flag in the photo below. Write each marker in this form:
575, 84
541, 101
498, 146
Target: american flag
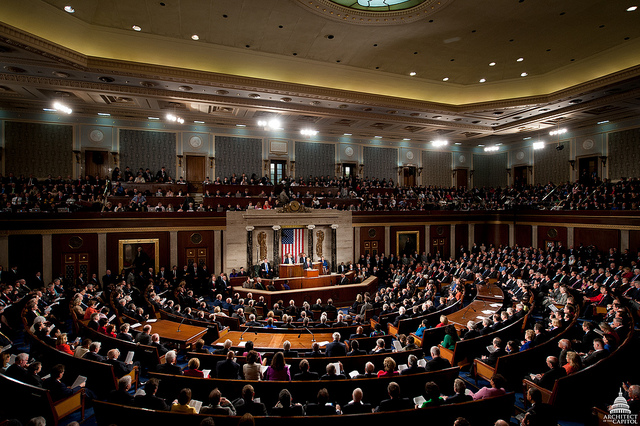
292, 241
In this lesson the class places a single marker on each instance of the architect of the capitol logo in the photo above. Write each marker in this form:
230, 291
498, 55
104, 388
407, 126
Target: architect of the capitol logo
619, 412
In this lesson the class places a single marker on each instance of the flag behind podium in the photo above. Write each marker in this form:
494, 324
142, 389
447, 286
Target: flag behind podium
292, 241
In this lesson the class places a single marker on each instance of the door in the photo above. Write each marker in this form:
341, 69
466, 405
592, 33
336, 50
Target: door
95, 163
73, 264
438, 246
277, 171
409, 175
196, 255
520, 176
349, 169
371, 247
588, 169
195, 172
461, 178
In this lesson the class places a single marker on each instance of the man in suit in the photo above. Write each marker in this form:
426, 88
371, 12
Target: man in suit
336, 348
18, 370
369, 372
120, 368
548, 378
121, 395
144, 338
304, 373
246, 403
544, 413
155, 342
437, 362
149, 400
599, 352
413, 367
395, 401
266, 271
93, 354
315, 351
228, 369
288, 353
343, 280
498, 351
57, 389
169, 366
356, 406
288, 260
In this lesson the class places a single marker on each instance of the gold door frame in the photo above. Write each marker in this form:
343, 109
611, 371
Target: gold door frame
156, 251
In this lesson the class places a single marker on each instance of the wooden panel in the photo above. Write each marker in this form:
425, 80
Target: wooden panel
634, 242
496, 234
195, 171
440, 237
552, 233
112, 246
523, 235
462, 237
79, 247
25, 252
370, 236
196, 245
604, 239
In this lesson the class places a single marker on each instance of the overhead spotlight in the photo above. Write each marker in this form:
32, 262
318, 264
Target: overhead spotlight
195, 37
559, 147
198, 122
482, 80
632, 8
491, 148
69, 9
439, 143
175, 119
445, 79
412, 73
272, 124
538, 145
524, 74
347, 134
62, 108
492, 64
557, 132
603, 122
308, 132
137, 28
519, 59
104, 114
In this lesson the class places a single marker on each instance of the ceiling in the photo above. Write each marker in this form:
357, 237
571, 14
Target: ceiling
316, 64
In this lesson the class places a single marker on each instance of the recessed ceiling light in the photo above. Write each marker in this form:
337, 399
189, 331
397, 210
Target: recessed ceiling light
527, 138
199, 122
445, 79
632, 9
480, 145
492, 64
603, 122
104, 114
406, 139
378, 137
137, 28
153, 118
482, 80
519, 59
458, 143
524, 74
71, 9
49, 109
195, 37
347, 134
241, 125
412, 73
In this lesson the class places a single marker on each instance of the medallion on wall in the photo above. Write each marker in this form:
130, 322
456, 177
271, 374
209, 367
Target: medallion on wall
195, 141
372, 233
409, 155
462, 158
348, 151
96, 135
520, 155
196, 238
588, 144
552, 233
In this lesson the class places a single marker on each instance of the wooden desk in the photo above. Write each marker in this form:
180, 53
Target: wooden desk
273, 341
290, 270
311, 273
168, 330
488, 301
490, 292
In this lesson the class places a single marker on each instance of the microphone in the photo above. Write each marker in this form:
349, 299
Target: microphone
313, 338
467, 310
183, 318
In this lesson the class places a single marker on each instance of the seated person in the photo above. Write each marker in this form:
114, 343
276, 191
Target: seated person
332, 374
304, 373
218, 404
395, 401
284, 406
431, 396
460, 395
193, 368
356, 406
389, 368
323, 407
182, 403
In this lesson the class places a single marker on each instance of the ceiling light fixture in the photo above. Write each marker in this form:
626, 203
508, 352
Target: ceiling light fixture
524, 74
137, 28
412, 73
603, 122
378, 137
406, 139
104, 114
308, 132
195, 37
632, 9
175, 118
519, 59
439, 143
62, 108
445, 79
480, 144
347, 134
458, 143
70, 9
273, 124
49, 109
492, 64
482, 80
538, 145
491, 148
557, 132
198, 122
241, 125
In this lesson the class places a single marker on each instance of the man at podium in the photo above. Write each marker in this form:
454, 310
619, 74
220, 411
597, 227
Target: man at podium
288, 260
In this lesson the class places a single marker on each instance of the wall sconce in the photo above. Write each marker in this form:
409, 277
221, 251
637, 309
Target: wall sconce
471, 172
419, 171
77, 154
573, 164
360, 169
509, 172
179, 160
603, 158
530, 168
114, 155
293, 167
454, 171
212, 161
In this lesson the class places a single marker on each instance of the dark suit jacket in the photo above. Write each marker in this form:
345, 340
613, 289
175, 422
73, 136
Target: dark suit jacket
58, 389
120, 397
336, 349
437, 363
293, 410
314, 409
252, 407
353, 408
290, 354
119, 368
595, 357
416, 369
167, 368
492, 358
151, 402
395, 404
549, 378
228, 369
459, 397
307, 375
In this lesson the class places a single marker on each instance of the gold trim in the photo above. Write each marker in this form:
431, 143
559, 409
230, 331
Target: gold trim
154, 241
109, 230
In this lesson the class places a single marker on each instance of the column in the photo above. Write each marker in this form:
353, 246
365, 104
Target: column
47, 252
472, 236
624, 239
250, 249
387, 241
276, 250
217, 251
427, 239
102, 254
512, 235
570, 237
452, 241
173, 248
4, 251
310, 229
334, 247
356, 244
534, 236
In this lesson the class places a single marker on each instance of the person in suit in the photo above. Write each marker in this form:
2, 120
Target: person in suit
155, 342
56, 388
395, 401
288, 353
369, 372
149, 400
288, 260
169, 366
121, 395
228, 369
355, 349
336, 348
499, 351
93, 354
332, 373
321, 408
598, 353
284, 407
343, 280
548, 378
218, 405
437, 362
120, 368
356, 406
460, 393
304, 373
144, 338
18, 370
544, 413
413, 367
266, 271
246, 404
315, 351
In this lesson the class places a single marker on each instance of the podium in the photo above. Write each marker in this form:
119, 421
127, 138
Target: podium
311, 273
290, 271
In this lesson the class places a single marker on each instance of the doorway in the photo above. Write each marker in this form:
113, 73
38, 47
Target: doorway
96, 163
462, 180
277, 171
349, 170
588, 170
409, 176
195, 172
520, 176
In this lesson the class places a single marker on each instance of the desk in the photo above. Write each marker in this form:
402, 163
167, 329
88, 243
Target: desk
311, 273
488, 301
273, 341
168, 330
288, 270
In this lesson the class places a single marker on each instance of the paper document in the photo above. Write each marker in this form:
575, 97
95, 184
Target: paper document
480, 317
140, 392
206, 373
151, 320
495, 305
12, 359
488, 311
129, 359
491, 349
263, 368
337, 365
397, 345
112, 317
323, 343
46, 377
79, 380
354, 374
402, 367
241, 344
6, 348
135, 325
196, 404
419, 400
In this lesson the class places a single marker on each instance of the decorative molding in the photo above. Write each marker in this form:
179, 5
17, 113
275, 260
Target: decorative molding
278, 147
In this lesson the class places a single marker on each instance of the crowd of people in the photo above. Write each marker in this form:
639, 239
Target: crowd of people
91, 193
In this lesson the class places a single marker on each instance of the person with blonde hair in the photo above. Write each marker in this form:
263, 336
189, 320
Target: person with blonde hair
389, 368
574, 362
